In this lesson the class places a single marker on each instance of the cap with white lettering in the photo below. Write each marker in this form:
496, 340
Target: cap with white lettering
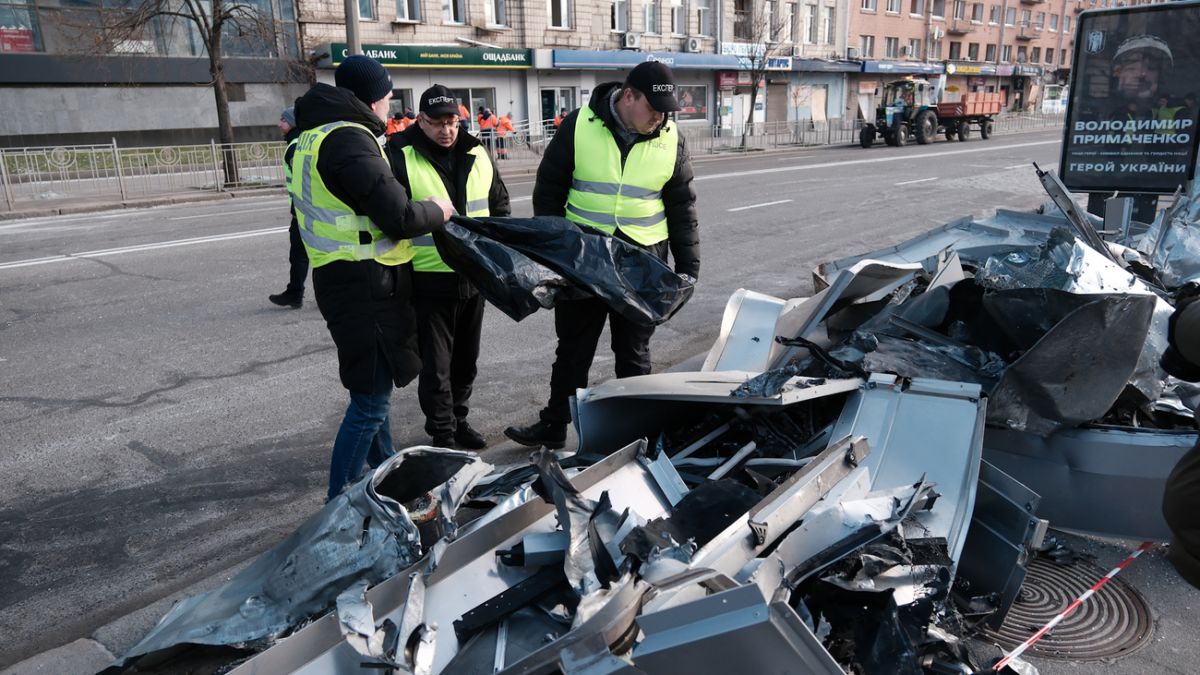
438, 101
654, 80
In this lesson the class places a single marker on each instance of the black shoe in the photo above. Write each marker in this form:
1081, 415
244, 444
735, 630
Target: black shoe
542, 433
285, 299
445, 440
468, 438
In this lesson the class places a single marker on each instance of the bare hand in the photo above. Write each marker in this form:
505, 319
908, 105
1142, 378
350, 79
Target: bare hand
445, 205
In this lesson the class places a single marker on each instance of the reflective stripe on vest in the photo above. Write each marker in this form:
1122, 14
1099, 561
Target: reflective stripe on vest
287, 166
608, 197
424, 181
330, 228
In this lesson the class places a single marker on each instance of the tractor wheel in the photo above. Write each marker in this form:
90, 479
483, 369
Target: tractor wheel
889, 136
900, 133
951, 129
926, 129
985, 129
866, 137
964, 130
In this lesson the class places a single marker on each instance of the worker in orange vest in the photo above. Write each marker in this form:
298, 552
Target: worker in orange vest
487, 128
503, 126
409, 119
394, 124
464, 119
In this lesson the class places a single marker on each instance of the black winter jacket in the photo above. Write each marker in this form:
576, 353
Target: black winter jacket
366, 305
558, 165
454, 166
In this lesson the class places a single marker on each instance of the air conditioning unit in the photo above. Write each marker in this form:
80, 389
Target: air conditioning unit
631, 41
937, 33
904, 50
692, 45
852, 52
797, 51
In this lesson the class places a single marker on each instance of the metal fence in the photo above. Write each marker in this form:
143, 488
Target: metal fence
33, 176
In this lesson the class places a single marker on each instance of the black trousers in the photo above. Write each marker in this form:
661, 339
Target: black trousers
297, 259
1181, 508
448, 330
578, 325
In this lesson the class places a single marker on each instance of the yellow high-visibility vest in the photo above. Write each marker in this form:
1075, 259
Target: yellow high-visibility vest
329, 228
424, 182
609, 197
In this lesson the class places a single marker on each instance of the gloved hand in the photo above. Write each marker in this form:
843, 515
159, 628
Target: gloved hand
446, 206
687, 278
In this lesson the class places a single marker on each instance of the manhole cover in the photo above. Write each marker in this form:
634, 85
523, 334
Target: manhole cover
1113, 622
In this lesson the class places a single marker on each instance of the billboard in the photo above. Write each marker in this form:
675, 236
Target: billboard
1132, 114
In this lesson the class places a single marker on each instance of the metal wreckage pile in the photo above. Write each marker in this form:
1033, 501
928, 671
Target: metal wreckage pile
849, 484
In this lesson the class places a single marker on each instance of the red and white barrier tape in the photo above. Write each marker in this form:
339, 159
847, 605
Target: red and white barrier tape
1070, 608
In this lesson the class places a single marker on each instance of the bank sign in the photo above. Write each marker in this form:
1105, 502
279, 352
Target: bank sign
417, 56
1132, 114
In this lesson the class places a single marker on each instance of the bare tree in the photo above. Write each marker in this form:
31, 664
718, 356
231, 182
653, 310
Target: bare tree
757, 22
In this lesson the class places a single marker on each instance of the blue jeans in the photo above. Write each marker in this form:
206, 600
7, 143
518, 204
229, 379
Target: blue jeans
365, 434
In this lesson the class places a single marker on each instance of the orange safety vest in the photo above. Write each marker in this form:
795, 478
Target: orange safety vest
558, 120
505, 125
488, 123
463, 112
394, 126
406, 123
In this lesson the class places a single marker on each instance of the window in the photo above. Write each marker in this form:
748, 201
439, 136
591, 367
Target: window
990, 54
960, 9
1006, 54
1062, 57
1039, 20
1066, 24
704, 17
977, 12
1022, 54
493, 11
914, 48
1035, 55
651, 10
973, 51
453, 11
366, 10
891, 47
914, 7
868, 5
994, 17
1053, 22
769, 17
935, 49
19, 21
678, 18
811, 27
1010, 17
955, 51
618, 16
1049, 55
1025, 17
829, 23
893, 6
866, 46
789, 33
937, 8
408, 10
560, 13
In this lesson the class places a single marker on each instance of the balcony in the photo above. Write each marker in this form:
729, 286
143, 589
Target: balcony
1028, 31
1032, 2
960, 27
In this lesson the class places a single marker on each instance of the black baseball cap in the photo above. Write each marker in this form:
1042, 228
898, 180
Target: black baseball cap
655, 82
438, 101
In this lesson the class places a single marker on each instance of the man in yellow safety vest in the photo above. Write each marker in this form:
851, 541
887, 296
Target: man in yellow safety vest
356, 222
435, 158
632, 180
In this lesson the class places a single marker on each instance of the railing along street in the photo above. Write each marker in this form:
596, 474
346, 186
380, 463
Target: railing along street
42, 175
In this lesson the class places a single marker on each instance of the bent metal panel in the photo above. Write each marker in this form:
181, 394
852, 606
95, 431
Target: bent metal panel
1132, 116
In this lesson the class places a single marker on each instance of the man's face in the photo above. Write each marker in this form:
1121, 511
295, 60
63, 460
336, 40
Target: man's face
1137, 75
442, 130
284, 127
382, 107
637, 113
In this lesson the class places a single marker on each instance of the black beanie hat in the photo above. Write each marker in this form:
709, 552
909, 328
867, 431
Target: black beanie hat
365, 77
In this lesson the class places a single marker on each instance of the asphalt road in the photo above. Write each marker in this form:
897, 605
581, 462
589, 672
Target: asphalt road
161, 421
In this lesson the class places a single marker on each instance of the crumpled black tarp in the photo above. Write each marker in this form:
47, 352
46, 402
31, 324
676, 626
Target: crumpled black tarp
631, 281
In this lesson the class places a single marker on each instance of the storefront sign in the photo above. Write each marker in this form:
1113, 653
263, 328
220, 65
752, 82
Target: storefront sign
416, 56
970, 69
908, 67
576, 58
1132, 115
743, 49
16, 39
778, 63
1027, 71
727, 80
693, 102
823, 66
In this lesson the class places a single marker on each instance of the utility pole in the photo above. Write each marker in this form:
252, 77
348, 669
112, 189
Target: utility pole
353, 43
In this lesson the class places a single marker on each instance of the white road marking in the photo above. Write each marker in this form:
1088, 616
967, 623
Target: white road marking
757, 206
899, 157
520, 199
221, 214
141, 247
1026, 165
913, 182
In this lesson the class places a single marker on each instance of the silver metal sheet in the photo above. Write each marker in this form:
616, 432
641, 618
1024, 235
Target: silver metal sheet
747, 332
467, 572
1106, 481
932, 428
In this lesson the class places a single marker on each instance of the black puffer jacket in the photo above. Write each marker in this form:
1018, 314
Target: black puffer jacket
366, 305
453, 166
558, 165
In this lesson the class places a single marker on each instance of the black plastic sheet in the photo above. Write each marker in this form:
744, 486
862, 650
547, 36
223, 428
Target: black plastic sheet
631, 281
